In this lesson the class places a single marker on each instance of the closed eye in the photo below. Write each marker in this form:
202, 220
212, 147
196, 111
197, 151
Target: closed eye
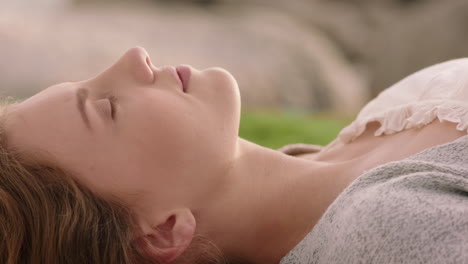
112, 101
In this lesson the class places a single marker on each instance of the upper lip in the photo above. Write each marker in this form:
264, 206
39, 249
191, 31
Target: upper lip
184, 71
173, 72
184, 89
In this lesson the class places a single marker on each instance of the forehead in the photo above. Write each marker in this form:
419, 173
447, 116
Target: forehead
44, 120
49, 97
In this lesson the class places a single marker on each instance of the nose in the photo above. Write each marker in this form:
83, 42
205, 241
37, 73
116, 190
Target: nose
133, 66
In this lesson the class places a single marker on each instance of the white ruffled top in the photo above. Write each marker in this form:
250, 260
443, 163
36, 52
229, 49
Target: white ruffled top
439, 91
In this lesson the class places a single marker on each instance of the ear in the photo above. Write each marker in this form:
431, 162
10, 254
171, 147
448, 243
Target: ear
167, 240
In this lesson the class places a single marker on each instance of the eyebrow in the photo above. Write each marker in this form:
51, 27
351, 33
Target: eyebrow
81, 95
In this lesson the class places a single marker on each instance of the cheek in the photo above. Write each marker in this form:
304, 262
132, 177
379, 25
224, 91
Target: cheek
164, 133
176, 133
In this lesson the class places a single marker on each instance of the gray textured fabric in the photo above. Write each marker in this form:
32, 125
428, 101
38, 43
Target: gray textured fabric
410, 211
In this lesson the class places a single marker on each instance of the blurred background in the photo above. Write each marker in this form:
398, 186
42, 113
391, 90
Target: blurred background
304, 67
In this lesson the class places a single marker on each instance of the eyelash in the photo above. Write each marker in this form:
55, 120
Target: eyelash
112, 100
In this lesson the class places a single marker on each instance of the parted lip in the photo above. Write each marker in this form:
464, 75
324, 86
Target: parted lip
174, 73
184, 72
180, 73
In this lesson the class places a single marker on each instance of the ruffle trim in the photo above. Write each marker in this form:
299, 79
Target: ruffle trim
407, 116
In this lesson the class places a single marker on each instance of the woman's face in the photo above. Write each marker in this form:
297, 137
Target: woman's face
159, 142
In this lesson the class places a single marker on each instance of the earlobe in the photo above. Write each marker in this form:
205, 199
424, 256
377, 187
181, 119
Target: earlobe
168, 239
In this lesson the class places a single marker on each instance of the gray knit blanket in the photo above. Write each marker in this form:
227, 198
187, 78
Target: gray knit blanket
410, 211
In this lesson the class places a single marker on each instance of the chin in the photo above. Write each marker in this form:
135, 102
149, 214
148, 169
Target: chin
223, 77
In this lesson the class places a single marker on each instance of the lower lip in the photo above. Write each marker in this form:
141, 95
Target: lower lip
184, 73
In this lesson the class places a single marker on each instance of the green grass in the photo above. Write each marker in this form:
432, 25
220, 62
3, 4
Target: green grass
276, 129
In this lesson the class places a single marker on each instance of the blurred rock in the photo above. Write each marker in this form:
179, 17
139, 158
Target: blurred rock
389, 39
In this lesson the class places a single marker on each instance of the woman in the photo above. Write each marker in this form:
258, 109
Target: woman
144, 165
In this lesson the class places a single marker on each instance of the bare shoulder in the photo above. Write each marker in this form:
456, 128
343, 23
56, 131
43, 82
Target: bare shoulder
386, 148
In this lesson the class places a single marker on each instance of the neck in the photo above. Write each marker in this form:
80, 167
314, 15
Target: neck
269, 203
